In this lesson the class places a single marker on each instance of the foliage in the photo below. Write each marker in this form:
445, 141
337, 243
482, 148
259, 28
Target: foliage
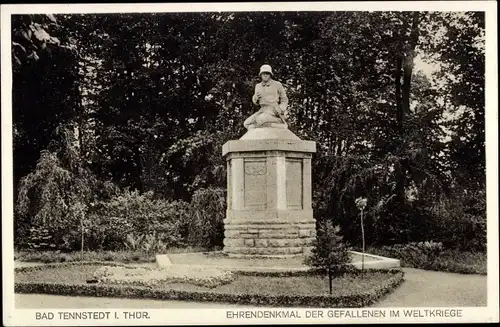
39, 239
138, 221
55, 197
138, 256
45, 67
151, 98
329, 251
431, 256
207, 212
461, 221
461, 52
31, 37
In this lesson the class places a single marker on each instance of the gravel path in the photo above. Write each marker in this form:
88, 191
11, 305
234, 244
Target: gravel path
423, 288
44, 301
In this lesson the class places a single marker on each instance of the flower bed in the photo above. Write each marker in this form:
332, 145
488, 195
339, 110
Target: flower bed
207, 277
350, 290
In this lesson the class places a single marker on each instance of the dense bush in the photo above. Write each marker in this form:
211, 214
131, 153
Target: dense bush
206, 221
433, 256
39, 239
460, 222
121, 221
134, 221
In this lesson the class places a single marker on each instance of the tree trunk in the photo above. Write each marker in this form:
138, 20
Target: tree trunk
83, 234
407, 72
408, 64
406, 61
397, 76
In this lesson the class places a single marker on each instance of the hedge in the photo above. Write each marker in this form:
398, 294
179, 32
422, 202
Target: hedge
54, 265
312, 271
356, 300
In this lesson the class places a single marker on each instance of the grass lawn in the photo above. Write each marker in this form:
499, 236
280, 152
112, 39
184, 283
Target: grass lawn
117, 256
187, 255
300, 285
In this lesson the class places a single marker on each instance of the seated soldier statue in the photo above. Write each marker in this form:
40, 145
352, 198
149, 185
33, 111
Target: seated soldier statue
271, 97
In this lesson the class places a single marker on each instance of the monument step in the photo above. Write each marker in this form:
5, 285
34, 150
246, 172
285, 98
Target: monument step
246, 262
269, 225
270, 242
265, 250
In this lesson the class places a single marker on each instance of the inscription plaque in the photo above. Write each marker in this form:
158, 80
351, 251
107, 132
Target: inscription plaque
294, 183
255, 183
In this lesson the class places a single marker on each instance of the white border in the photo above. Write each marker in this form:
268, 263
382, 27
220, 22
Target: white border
212, 316
254, 6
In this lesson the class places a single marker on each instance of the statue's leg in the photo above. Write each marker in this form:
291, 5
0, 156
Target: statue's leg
266, 118
250, 122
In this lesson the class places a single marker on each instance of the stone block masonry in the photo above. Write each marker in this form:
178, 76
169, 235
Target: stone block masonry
276, 238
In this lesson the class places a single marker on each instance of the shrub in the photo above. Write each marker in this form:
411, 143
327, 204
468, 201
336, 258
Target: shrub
329, 251
154, 243
129, 215
432, 256
57, 256
55, 196
40, 239
460, 221
206, 221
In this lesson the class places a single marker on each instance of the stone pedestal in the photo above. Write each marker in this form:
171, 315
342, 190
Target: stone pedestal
269, 209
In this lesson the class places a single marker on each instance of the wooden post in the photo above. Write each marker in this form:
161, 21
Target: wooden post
363, 245
82, 230
330, 278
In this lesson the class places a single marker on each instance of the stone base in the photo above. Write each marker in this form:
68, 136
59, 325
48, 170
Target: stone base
245, 263
270, 238
269, 211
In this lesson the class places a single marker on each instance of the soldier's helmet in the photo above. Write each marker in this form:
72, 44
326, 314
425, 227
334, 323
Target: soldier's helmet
266, 69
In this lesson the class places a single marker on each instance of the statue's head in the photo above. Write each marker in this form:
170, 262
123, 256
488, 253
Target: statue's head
266, 72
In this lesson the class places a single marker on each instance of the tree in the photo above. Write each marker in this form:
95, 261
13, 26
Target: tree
151, 98
461, 52
44, 67
329, 253
31, 38
57, 194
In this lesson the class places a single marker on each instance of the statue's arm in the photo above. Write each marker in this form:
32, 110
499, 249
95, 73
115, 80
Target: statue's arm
256, 95
283, 99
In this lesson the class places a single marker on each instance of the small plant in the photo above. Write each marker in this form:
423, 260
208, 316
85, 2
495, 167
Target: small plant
330, 253
149, 243
40, 239
431, 249
133, 242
